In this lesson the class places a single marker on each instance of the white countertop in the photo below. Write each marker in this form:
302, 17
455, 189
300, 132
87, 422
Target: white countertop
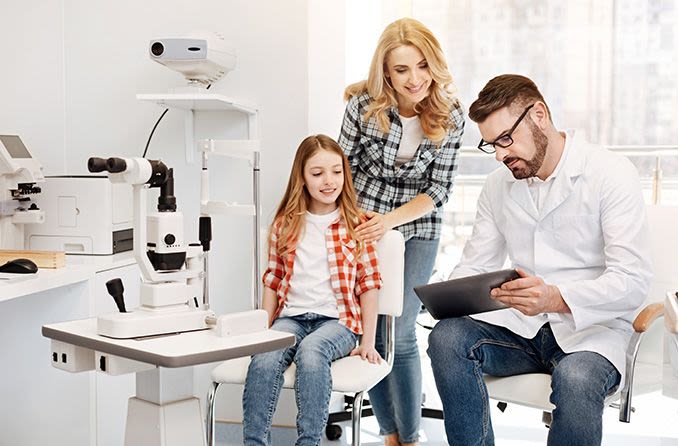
179, 350
79, 268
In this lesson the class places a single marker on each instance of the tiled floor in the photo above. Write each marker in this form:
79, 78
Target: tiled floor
655, 423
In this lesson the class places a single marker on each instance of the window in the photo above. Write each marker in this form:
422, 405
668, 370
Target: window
606, 67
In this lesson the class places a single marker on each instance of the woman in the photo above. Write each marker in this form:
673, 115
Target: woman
401, 133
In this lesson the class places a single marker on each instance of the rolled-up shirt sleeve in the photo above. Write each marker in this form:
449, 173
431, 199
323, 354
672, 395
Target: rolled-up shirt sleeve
275, 270
368, 276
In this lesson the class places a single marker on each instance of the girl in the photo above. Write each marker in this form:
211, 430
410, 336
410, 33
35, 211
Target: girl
401, 132
321, 285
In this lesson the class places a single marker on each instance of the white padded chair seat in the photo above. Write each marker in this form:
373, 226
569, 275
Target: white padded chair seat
350, 374
234, 371
353, 374
535, 388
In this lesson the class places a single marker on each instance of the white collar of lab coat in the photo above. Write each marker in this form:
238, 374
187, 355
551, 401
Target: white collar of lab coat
572, 165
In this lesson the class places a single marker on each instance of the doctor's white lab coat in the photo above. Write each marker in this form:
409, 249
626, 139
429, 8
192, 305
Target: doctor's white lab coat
590, 240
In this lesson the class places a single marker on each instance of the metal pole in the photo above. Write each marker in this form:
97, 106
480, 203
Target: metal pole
257, 235
204, 198
657, 182
253, 132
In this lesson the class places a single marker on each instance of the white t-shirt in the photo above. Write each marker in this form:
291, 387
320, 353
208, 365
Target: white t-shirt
412, 137
310, 287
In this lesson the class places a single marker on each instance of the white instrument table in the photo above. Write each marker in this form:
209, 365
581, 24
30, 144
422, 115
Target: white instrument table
174, 350
164, 411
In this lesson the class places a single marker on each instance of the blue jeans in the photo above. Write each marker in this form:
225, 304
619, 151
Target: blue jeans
462, 349
319, 341
396, 400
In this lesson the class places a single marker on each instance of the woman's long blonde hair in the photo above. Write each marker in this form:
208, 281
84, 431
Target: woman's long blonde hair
289, 218
434, 110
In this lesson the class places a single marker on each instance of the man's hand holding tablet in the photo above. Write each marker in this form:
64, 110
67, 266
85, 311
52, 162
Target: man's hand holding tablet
530, 295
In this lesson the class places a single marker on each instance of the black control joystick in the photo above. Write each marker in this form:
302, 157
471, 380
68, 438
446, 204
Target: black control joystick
115, 289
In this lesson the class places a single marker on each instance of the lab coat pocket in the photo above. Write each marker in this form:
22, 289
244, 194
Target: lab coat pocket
568, 222
579, 235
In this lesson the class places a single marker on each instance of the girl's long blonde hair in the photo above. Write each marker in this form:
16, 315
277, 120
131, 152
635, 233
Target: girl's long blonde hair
434, 110
289, 218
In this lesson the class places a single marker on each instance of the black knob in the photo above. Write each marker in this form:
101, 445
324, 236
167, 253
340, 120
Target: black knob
33, 207
115, 289
157, 48
205, 232
170, 239
96, 165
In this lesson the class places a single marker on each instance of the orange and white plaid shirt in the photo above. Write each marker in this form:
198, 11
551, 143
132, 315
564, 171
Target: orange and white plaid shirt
349, 277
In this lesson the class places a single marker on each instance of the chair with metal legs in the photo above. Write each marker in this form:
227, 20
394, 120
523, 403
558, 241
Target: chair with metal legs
350, 375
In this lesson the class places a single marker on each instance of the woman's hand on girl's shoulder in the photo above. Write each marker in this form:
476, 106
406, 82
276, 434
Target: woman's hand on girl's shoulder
374, 228
368, 353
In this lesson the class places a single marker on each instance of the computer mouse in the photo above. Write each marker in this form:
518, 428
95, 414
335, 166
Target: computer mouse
19, 266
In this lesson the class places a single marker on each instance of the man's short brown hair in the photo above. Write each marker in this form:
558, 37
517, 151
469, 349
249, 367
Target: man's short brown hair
508, 90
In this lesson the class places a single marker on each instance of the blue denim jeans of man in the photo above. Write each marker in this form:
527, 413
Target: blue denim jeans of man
396, 400
319, 341
462, 349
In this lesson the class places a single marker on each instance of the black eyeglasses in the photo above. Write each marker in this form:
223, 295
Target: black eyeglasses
502, 141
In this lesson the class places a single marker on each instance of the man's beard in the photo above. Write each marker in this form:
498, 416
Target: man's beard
529, 168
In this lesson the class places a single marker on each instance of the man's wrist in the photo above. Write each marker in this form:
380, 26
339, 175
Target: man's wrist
560, 306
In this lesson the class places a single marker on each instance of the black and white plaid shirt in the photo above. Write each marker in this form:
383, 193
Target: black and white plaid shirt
382, 187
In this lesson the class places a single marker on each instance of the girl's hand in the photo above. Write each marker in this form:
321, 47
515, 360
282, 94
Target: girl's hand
374, 228
367, 352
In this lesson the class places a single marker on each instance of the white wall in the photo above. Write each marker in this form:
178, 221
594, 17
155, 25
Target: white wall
32, 77
326, 56
68, 81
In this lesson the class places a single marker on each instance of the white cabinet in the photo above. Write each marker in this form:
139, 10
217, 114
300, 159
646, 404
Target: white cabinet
39, 404
42, 405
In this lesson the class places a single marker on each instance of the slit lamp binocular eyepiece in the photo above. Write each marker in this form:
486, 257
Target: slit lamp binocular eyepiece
159, 173
111, 165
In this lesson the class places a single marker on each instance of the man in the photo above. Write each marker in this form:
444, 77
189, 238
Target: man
570, 216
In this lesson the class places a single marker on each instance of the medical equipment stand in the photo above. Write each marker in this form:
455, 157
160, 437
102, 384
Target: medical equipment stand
248, 149
164, 411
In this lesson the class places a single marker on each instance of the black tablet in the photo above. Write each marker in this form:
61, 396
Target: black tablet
461, 297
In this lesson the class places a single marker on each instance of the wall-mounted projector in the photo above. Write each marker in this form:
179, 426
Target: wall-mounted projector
202, 60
